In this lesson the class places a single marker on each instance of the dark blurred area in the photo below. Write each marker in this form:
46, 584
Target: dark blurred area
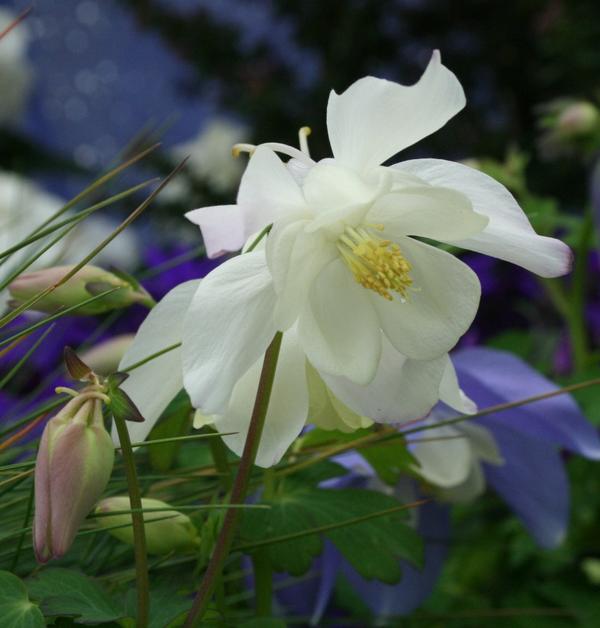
104, 72
92, 81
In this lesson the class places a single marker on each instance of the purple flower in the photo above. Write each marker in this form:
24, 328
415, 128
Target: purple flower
529, 438
517, 452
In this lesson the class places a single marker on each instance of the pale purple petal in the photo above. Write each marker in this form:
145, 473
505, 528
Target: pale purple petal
222, 228
491, 377
310, 597
532, 482
386, 600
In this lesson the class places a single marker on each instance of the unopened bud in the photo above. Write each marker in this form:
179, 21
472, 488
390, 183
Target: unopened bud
105, 357
166, 530
577, 119
73, 466
569, 127
87, 282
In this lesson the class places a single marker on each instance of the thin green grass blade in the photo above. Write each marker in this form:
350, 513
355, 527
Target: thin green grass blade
135, 214
84, 213
95, 185
53, 317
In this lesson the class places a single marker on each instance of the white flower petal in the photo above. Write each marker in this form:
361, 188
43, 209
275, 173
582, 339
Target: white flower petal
278, 249
439, 308
430, 212
338, 327
451, 393
445, 462
200, 420
374, 119
402, 389
268, 191
326, 410
467, 491
482, 441
222, 228
288, 406
509, 235
294, 259
227, 328
153, 385
329, 186
298, 169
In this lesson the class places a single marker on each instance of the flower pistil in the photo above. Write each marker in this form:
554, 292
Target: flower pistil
376, 264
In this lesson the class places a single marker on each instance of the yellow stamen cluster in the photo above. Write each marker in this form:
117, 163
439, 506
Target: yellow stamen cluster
376, 264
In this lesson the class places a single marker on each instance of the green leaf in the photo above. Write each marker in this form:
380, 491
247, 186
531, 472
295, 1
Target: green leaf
584, 603
286, 516
317, 437
64, 592
520, 343
319, 472
122, 406
587, 398
374, 547
166, 605
175, 423
263, 622
114, 380
390, 460
16, 610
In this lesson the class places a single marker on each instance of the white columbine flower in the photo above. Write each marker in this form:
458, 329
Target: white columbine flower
344, 260
344, 270
401, 390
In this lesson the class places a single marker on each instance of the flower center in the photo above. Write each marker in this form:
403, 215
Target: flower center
376, 264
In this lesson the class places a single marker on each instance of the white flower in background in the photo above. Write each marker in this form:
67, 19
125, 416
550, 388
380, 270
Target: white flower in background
369, 306
210, 157
24, 206
401, 390
15, 71
450, 457
123, 252
104, 357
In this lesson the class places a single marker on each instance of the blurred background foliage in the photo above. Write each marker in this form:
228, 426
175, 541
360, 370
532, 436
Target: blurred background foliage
99, 79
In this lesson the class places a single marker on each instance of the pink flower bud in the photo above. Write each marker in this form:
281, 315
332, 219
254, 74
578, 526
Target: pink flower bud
74, 463
86, 283
577, 119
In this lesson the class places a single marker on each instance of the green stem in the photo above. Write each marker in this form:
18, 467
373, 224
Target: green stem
219, 455
269, 480
240, 487
263, 583
221, 600
261, 564
576, 320
137, 519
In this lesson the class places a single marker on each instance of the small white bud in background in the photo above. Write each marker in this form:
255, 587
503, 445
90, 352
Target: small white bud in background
166, 530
